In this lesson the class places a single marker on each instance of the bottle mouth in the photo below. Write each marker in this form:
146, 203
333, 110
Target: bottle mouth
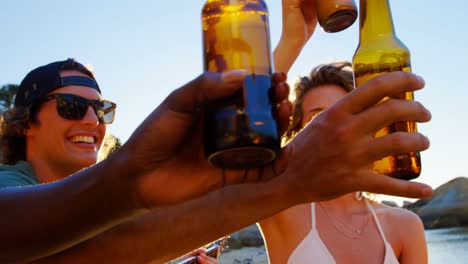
339, 21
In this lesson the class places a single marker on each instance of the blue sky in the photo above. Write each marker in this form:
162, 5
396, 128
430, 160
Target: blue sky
142, 50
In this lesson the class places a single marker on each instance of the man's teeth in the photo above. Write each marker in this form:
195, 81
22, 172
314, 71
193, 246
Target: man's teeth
83, 139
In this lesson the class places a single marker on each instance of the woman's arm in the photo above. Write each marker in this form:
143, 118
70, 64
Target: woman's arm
299, 22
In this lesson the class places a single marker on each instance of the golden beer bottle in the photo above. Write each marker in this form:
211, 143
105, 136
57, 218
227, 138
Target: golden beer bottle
380, 51
335, 15
240, 131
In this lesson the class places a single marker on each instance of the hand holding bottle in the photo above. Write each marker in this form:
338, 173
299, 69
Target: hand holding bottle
338, 148
380, 51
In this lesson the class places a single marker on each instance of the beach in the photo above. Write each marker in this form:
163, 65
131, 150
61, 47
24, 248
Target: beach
245, 255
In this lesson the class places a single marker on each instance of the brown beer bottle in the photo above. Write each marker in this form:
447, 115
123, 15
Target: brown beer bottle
380, 51
240, 131
335, 15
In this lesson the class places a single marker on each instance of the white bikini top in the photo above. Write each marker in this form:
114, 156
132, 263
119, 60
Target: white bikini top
313, 250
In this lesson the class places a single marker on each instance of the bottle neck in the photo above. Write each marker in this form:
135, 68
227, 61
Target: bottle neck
375, 20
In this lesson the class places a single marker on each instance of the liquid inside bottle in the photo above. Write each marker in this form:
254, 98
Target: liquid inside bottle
379, 52
241, 130
404, 166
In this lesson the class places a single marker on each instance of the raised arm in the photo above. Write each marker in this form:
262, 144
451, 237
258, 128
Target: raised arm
298, 24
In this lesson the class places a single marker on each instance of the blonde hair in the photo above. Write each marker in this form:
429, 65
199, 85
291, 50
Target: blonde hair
337, 73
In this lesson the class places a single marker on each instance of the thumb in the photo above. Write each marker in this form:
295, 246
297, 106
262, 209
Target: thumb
206, 88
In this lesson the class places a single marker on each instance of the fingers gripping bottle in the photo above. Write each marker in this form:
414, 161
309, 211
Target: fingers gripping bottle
380, 51
240, 131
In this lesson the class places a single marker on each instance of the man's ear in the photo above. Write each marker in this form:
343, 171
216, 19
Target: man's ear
29, 130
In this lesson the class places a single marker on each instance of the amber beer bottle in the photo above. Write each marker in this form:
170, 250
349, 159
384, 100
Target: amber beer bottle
240, 131
335, 15
380, 51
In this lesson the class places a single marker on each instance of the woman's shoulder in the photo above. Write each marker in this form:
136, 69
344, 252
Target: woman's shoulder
393, 212
404, 230
397, 218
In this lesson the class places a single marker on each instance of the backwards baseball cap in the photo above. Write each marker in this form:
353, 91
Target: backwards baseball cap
43, 80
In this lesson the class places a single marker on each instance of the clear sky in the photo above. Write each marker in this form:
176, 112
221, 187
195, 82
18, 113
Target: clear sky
141, 50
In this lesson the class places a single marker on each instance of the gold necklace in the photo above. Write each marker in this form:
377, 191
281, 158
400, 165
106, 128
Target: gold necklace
346, 229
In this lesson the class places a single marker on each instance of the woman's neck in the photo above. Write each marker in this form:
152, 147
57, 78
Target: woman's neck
346, 203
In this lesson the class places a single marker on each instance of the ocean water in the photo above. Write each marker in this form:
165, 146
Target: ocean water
448, 245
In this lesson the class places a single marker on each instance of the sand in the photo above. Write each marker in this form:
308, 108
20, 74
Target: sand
246, 255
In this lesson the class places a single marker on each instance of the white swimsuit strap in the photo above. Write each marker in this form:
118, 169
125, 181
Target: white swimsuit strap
376, 220
312, 212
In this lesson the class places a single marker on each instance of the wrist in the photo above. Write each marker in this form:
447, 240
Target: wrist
279, 192
292, 42
120, 179
288, 185
242, 205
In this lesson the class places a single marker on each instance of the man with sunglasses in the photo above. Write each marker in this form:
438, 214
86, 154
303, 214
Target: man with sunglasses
59, 106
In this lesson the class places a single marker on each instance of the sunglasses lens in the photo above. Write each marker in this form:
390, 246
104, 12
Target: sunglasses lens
108, 112
105, 111
71, 107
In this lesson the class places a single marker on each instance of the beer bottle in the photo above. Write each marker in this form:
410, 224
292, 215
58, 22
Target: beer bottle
335, 15
380, 51
240, 131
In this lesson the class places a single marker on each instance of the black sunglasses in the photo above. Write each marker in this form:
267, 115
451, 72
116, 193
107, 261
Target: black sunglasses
74, 107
